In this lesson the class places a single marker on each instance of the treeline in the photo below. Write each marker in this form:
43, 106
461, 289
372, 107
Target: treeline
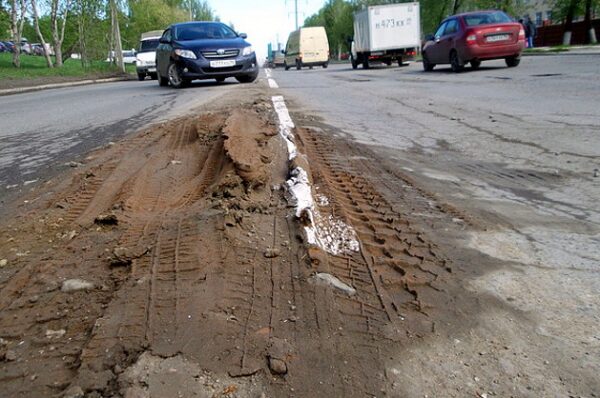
91, 28
337, 15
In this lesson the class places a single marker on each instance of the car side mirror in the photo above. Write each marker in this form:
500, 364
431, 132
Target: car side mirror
429, 38
243, 35
163, 40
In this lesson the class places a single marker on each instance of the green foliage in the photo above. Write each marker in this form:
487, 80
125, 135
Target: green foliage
32, 67
88, 24
4, 20
337, 15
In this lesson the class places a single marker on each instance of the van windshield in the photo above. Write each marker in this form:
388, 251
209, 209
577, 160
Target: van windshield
148, 45
202, 31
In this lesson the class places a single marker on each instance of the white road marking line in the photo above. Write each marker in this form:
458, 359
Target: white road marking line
328, 233
273, 83
268, 72
285, 124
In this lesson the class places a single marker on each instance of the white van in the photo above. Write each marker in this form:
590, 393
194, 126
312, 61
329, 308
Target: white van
307, 47
146, 57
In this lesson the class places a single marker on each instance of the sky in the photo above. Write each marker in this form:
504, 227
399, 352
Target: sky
264, 20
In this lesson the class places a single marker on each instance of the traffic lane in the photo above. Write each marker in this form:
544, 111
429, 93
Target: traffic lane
43, 131
525, 109
510, 153
501, 137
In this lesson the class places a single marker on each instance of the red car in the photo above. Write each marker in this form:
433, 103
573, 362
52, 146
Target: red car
474, 37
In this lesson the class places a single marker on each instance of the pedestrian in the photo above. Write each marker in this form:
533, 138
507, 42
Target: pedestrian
530, 32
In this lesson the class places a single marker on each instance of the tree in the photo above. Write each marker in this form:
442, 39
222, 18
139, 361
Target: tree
570, 13
591, 33
17, 22
36, 23
59, 11
116, 35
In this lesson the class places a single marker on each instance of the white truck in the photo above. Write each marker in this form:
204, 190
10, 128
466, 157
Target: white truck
385, 34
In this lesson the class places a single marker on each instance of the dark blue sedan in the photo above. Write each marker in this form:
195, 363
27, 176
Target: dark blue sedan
204, 50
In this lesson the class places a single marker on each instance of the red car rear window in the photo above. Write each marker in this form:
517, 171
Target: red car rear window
486, 18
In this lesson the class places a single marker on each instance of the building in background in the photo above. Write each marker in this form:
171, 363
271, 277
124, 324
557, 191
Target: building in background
540, 11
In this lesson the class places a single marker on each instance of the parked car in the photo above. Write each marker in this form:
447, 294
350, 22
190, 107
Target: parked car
204, 50
307, 47
26, 48
145, 61
128, 56
10, 46
279, 59
37, 49
472, 38
3, 47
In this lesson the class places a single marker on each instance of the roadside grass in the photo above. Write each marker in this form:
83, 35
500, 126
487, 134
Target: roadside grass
35, 67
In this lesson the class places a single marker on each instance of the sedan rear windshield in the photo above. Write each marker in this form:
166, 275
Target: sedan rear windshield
486, 18
202, 31
148, 45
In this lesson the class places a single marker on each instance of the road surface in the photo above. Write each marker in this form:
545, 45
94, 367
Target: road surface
517, 149
42, 131
437, 235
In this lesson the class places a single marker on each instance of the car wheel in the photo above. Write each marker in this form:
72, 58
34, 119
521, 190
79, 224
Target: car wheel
175, 78
325, 65
455, 62
285, 65
153, 76
475, 64
366, 63
353, 62
427, 66
298, 64
388, 62
512, 62
247, 78
162, 81
141, 76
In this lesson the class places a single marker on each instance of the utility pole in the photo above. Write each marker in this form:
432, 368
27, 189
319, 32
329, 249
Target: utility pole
296, 12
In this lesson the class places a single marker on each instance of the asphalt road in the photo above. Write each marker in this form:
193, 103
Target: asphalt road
516, 149
42, 131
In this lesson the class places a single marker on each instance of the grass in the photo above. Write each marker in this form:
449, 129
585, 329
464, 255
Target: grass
35, 67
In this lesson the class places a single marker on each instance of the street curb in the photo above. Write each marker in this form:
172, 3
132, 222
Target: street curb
21, 90
559, 53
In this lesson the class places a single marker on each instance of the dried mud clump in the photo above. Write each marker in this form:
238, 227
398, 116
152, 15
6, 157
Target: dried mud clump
246, 135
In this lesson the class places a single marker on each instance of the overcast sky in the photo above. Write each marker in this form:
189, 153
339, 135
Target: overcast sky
263, 20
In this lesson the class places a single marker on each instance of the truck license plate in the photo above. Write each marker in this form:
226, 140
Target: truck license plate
497, 38
222, 63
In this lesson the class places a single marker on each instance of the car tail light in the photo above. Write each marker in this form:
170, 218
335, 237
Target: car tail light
522, 34
471, 39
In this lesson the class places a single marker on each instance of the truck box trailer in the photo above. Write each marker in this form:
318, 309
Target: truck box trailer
385, 34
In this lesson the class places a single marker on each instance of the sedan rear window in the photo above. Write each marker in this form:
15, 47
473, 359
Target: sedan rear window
486, 18
202, 31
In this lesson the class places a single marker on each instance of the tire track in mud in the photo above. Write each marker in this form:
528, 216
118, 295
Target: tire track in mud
159, 209
397, 269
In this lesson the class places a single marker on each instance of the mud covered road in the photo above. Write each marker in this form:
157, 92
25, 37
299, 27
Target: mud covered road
270, 250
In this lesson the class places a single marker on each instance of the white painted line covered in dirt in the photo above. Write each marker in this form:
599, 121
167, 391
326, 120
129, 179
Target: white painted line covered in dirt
328, 233
273, 83
285, 125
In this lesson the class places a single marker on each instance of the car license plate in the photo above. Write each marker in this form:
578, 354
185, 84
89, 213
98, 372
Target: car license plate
151, 69
497, 38
222, 63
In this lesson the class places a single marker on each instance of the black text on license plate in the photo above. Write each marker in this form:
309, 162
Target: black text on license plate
497, 38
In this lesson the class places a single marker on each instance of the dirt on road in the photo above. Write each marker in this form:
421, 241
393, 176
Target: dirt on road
174, 264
